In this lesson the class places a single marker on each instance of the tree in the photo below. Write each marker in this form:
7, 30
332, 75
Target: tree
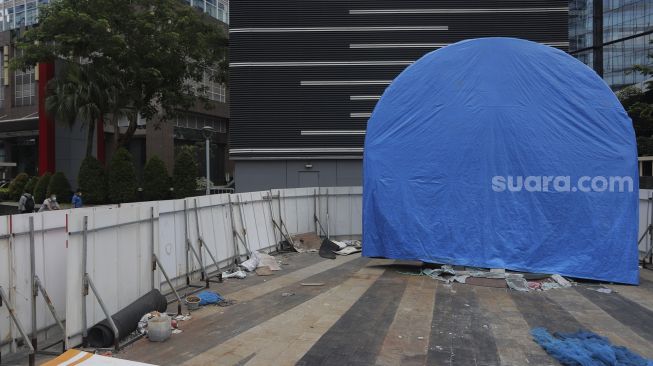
17, 186
156, 181
60, 187
92, 181
154, 51
185, 174
31, 184
41, 188
122, 177
82, 93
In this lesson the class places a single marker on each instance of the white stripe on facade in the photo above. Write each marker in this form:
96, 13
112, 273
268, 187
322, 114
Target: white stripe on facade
398, 45
429, 45
331, 132
344, 82
360, 115
364, 97
339, 29
298, 150
321, 63
456, 11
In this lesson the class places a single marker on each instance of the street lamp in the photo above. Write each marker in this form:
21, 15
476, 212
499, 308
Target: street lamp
207, 131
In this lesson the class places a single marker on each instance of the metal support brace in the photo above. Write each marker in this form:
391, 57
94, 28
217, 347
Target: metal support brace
274, 231
84, 281
234, 233
174, 290
202, 245
116, 333
187, 243
48, 302
242, 223
199, 259
199, 241
35, 293
14, 317
152, 246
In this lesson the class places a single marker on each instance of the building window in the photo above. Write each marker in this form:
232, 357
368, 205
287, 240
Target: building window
24, 87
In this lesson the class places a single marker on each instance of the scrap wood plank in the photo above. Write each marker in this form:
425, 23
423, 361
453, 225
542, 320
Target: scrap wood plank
486, 282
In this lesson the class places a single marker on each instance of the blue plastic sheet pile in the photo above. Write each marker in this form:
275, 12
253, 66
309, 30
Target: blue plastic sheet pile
585, 348
209, 297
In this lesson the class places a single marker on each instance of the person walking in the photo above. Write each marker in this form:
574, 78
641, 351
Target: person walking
26, 203
77, 199
50, 204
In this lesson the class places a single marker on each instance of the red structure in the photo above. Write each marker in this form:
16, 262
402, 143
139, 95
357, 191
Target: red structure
46, 124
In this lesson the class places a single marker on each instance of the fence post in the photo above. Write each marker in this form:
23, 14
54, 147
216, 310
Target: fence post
34, 294
84, 281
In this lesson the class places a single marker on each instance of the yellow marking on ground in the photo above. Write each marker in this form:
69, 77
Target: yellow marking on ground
284, 339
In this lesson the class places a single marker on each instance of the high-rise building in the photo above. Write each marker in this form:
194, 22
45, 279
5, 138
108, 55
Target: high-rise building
612, 36
306, 75
32, 142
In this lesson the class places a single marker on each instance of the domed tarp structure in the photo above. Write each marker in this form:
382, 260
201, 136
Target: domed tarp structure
503, 153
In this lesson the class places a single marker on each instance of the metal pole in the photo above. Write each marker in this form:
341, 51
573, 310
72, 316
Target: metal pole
274, 230
242, 222
152, 247
315, 211
234, 232
12, 314
174, 290
187, 242
84, 280
650, 237
327, 213
48, 302
208, 168
32, 266
199, 237
204, 276
116, 333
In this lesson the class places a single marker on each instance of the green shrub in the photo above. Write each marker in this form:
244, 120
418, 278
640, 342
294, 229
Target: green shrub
31, 184
41, 188
156, 182
4, 194
185, 174
92, 181
60, 187
17, 186
122, 177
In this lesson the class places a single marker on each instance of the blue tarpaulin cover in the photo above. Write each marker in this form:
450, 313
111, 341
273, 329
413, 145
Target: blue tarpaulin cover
503, 153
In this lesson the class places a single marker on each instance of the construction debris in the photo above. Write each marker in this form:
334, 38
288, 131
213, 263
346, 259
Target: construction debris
236, 274
495, 277
306, 242
313, 284
328, 248
348, 251
264, 271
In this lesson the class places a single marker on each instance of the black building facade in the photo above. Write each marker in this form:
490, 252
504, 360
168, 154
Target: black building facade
306, 74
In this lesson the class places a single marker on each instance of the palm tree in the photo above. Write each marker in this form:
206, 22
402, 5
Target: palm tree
82, 94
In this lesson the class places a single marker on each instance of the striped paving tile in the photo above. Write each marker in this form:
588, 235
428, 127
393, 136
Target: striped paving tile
358, 335
635, 316
406, 342
288, 336
510, 330
218, 325
540, 311
642, 294
460, 334
593, 318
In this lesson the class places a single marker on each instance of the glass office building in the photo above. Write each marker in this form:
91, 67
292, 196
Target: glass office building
20, 13
612, 36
